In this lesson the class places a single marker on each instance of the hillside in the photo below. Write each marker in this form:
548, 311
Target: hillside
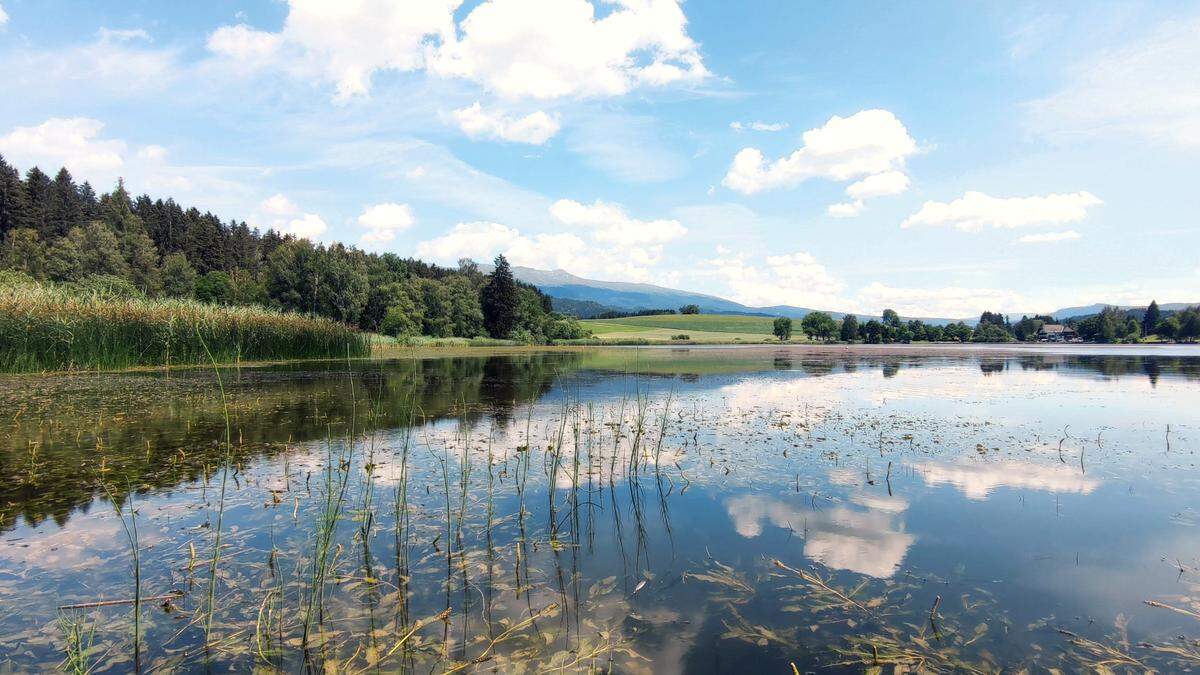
588, 297
1088, 310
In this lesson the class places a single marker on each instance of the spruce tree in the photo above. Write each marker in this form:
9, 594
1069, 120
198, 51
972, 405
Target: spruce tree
88, 201
499, 300
14, 203
117, 210
38, 188
64, 209
1151, 319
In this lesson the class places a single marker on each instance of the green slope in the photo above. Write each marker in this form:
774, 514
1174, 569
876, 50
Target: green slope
697, 327
717, 323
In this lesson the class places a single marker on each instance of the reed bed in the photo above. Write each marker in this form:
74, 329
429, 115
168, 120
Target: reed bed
45, 328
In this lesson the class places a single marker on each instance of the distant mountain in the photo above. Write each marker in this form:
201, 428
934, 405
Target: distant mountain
628, 297
588, 297
585, 297
1087, 310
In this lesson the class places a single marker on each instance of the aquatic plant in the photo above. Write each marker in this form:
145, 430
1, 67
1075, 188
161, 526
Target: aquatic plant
46, 328
78, 642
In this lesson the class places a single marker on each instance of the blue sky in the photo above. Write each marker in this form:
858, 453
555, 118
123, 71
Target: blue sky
940, 158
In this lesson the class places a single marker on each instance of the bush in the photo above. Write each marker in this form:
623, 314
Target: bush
399, 322
214, 287
522, 336
681, 336
560, 327
105, 287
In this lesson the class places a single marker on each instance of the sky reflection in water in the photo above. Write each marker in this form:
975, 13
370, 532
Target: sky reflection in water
1033, 492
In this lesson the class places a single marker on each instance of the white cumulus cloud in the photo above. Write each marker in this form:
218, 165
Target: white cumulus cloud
1048, 237
344, 43
866, 143
383, 221
555, 48
72, 142
535, 128
610, 224
3, 16
606, 242
951, 302
879, 185
975, 210
284, 216
789, 279
515, 48
484, 240
307, 226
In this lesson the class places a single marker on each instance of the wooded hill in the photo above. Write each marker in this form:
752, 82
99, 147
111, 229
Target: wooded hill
57, 230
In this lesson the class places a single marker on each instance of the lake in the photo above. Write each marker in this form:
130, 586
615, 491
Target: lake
698, 510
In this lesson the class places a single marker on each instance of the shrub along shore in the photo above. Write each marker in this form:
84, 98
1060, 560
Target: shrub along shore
53, 328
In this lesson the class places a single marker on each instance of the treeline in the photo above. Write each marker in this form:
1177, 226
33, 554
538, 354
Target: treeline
1109, 326
890, 329
639, 312
1114, 324
53, 229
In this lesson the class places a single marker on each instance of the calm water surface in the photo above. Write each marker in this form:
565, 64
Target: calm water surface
657, 510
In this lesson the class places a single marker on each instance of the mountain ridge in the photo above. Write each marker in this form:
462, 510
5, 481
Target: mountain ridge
630, 296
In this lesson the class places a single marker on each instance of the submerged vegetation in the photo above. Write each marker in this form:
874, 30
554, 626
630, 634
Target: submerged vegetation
563, 512
47, 327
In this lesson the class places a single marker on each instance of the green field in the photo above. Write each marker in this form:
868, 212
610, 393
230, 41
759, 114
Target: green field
698, 328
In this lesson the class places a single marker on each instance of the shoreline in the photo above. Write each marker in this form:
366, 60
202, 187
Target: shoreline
809, 348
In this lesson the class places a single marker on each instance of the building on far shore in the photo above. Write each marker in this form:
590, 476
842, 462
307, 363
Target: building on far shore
1056, 332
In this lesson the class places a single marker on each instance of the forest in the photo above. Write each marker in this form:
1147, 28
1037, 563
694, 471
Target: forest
63, 233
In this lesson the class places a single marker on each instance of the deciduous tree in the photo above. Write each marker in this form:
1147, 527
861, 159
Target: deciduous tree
783, 328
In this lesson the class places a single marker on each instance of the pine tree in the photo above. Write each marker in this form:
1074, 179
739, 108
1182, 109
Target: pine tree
1151, 319
14, 203
117, 210
64, 209
499, 300
38, 188
89, 202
